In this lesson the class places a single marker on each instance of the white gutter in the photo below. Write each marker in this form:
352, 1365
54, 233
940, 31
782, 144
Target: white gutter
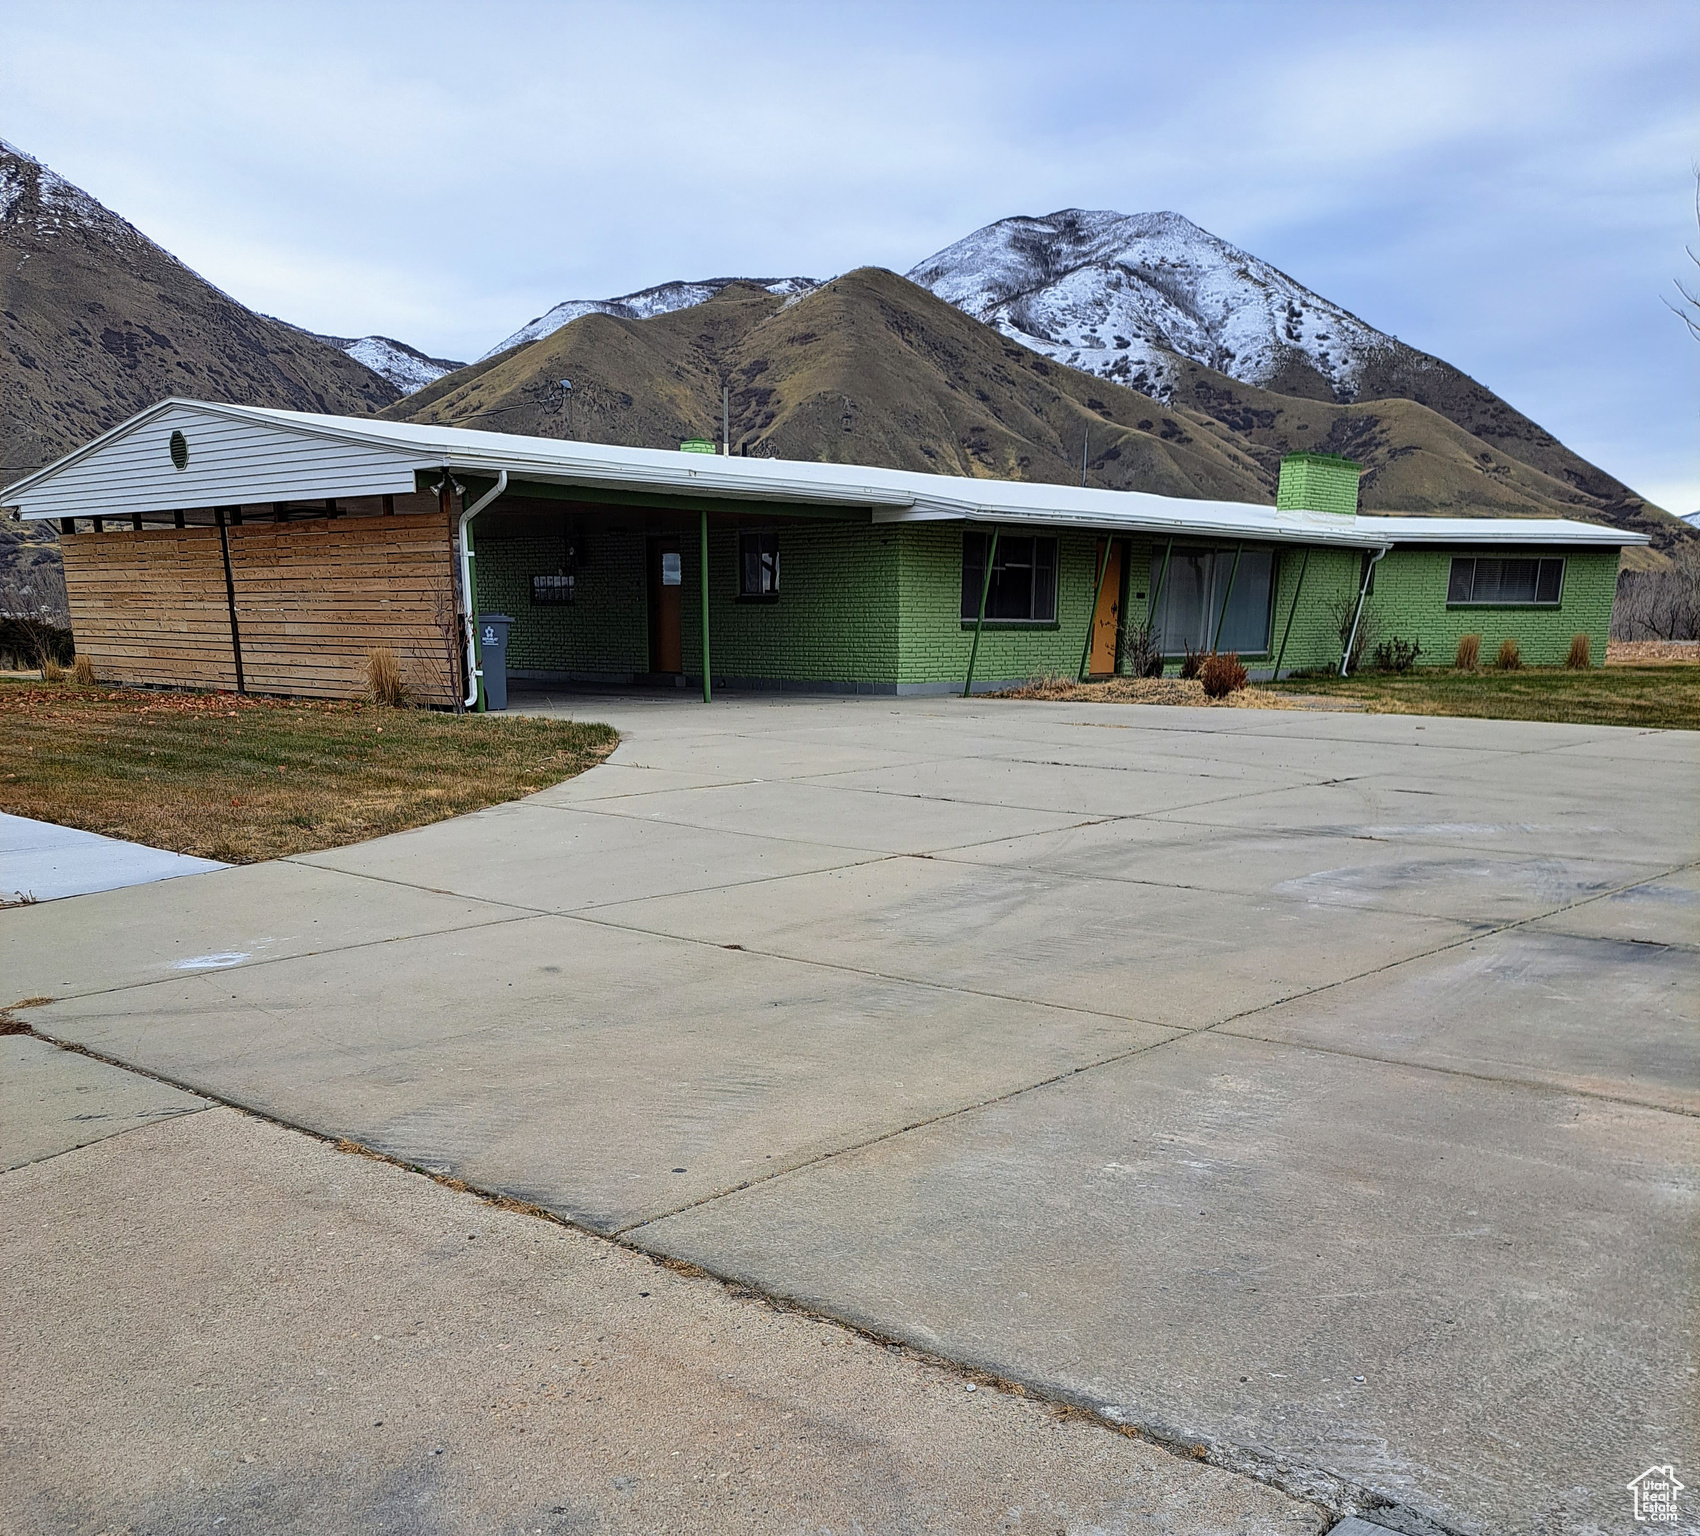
473, 671
1369, 576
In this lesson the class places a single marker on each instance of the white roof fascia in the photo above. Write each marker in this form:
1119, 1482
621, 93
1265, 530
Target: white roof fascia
1500, 530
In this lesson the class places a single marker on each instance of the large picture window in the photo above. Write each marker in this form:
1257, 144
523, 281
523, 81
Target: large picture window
1024, 579
1193, 595
758, 562
1500, 582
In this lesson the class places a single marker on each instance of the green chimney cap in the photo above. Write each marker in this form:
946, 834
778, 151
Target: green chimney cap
1318, 482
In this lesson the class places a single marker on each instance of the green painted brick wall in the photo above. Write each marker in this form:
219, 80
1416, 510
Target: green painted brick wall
1409, 601
605, 630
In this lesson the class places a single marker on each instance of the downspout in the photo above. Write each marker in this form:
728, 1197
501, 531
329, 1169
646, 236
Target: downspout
1369, 575
1092, 617
1298, 587
474, 672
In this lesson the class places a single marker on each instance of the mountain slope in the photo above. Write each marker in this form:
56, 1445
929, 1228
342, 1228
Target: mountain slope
870, 368
406, 368
1151, 300
645, 304
96, 322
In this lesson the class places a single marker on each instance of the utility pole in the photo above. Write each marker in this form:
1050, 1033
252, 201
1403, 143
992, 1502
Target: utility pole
725, 419
1084, 441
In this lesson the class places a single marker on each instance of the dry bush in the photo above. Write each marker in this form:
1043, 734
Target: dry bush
1192, 661
1221, 675
1142, 650
82, 672
383, 677
51, 670
1581, 655
1469, 655
1510, 658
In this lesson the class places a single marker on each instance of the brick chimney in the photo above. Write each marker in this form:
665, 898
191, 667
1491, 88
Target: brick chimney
1318, 482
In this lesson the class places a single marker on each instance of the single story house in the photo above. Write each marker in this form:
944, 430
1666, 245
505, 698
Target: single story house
271, 551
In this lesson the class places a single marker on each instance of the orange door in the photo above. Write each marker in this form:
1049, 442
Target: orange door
1106, 622
665, 573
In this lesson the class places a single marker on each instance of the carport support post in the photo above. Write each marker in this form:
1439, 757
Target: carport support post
1092, 617
1298, 587
230, 596
707, 686
1227, 597
980, 623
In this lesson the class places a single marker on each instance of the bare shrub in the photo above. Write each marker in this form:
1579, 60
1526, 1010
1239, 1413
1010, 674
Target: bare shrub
52, 671
383, 677
1469, 655
82, 672
1662, 604
1221, 675
1397, 655
1142, 650
1581, 655
1343, 611
1192, 661
1510, 658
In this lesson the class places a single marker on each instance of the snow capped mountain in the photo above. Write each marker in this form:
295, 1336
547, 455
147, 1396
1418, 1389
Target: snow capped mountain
663, 299
1122, 295
406, 367
58, 208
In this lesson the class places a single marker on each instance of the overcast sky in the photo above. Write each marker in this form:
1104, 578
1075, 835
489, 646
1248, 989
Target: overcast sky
1508, 187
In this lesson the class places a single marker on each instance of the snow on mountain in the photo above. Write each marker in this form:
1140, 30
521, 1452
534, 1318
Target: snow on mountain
1122, 295
662, 299
406, 367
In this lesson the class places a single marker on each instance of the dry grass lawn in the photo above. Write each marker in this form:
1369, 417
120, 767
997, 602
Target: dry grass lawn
1144, 690
241, 779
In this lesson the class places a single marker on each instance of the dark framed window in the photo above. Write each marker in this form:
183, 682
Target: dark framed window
1206, 603
758, 563
550, 591
1024, 579
1495, 581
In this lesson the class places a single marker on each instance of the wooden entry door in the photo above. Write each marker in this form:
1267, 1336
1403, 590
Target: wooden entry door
665, 589
1106, 622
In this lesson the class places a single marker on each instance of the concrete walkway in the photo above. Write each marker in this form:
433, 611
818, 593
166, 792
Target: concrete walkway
1318, 1090
41, 861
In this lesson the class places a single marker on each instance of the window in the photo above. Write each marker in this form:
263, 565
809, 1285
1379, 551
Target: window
550, 590
1505, 582
672, 568
758, 562
1024, 579
1189, 605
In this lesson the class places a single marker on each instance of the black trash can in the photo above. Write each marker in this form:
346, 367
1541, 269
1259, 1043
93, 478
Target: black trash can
493, 657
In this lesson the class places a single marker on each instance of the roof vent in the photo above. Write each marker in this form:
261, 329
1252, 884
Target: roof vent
179, 450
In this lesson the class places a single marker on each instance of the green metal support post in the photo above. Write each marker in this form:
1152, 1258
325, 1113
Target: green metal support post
1227, 597
1298, 587
1092, 617
707, 686
1157, 591
985, 589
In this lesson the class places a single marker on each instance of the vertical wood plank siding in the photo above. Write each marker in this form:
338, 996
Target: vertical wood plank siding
313, 599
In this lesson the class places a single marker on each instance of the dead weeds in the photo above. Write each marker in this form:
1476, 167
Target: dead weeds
1144, 690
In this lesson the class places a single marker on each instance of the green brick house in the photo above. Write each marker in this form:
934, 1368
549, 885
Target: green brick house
623, 565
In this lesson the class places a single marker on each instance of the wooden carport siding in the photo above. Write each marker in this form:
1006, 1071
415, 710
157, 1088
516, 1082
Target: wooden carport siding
311, 596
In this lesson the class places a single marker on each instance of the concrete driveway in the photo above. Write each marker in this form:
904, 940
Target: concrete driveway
1317, 1090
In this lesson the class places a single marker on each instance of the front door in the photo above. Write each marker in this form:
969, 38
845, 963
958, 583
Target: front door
665, 584
1106, 622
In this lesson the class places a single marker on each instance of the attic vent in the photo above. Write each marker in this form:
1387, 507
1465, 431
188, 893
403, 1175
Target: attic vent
179, 450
